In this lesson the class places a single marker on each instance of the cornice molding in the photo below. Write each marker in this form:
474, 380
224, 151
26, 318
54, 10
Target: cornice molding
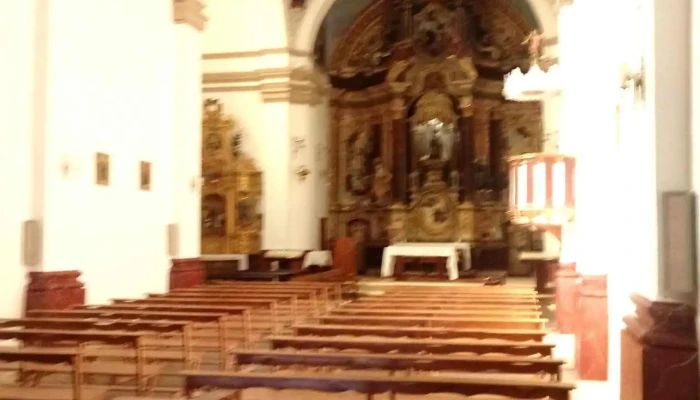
294, 85
256, 53
190, 12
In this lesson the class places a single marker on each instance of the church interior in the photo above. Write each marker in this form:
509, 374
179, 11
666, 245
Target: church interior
309, 199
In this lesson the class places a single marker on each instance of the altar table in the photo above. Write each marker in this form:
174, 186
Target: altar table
322, 258
241, 258
450, 251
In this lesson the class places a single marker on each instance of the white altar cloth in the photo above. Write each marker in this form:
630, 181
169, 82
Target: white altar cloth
321, 258
242, 259
448, 250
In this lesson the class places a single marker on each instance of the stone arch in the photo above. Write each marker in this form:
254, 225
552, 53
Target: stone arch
316, 11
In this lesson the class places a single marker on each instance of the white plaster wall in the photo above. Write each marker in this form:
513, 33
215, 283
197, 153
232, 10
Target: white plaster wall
110, 89
244, 25
18, 40
695, 133
187, 160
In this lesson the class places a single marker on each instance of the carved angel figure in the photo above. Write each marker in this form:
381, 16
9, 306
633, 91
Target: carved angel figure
382, 182
534, 43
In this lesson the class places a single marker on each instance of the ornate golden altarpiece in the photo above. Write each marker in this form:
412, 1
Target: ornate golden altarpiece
231, 188
420, 131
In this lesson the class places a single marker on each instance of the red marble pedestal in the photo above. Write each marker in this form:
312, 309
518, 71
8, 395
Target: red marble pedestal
592, 328
659, 352
186, 273
345, 257
566, 283
57, 290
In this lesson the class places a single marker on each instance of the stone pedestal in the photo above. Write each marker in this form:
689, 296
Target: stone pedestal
58, 290
566, 281
186, 273
592, 328
659, 352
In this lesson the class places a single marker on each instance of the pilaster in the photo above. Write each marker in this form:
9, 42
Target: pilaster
187, 153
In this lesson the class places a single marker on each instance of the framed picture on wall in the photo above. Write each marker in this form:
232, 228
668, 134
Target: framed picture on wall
102, 169
145, 176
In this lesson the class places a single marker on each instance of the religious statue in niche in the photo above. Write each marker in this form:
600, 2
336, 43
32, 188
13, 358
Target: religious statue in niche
382, 183
245, 213
213, 215
436, 138
358, 177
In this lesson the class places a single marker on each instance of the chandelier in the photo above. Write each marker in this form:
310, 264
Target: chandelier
536, 83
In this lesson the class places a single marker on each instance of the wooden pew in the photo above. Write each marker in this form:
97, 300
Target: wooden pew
183, 329
269, 305
335, 290
219, 321
420, 333
52, 358
488, 301
374, 303
402, 362
291, 299
310, 295
142, 373
371, 385
242, 312
350, 310
464, 298
449, 290
451, 322
412, 346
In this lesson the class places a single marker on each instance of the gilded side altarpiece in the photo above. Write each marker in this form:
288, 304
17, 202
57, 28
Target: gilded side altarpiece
231, 189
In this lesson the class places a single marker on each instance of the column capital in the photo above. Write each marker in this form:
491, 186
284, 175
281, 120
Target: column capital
189, 12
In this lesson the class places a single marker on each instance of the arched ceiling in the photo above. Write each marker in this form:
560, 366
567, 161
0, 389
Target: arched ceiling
344, 12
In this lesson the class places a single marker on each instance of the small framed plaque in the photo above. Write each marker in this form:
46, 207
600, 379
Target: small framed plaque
145, 176
678, 252
102, 169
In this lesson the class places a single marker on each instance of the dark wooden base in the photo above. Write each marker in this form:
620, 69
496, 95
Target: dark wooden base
58, 290
660, 352
186, 273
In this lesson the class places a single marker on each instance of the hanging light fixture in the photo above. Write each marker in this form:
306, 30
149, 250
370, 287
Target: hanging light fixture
540, 80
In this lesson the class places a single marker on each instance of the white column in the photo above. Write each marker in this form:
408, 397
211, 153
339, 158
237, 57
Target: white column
23, 40
303, 221
589, 127
277, 175
187, 160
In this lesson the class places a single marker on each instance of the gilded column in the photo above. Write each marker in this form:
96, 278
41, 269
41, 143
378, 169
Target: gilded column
466, 122
496, 150
398, 134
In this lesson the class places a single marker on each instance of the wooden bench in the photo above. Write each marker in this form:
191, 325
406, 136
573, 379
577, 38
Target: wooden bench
335, 289
242, 312
492, 323
412, 346
216, 320
372, 303
291, 300
371, 385
156, 328
458, 289
309, 295
142, 373
52, 358
350, 310
402, 362
453, 300
486, 299
269, 305
422, 333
